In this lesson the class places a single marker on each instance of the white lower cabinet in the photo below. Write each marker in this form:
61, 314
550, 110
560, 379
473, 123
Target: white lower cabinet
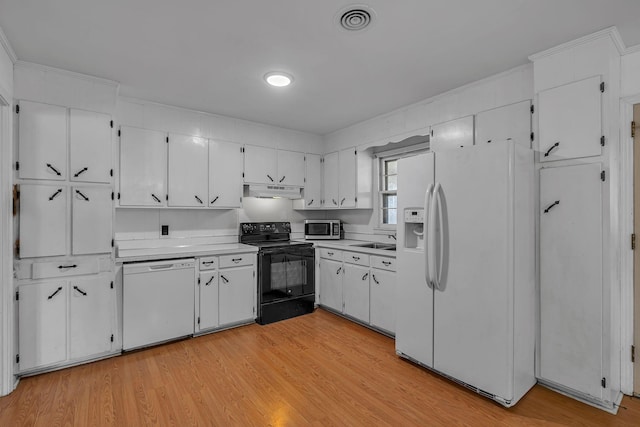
208, 283
331, 284
382, 312
356, 291
237, 295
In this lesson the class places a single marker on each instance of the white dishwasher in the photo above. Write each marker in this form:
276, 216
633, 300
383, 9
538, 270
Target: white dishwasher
158, 302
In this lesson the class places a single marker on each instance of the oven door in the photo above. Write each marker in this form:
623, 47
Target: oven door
286, 273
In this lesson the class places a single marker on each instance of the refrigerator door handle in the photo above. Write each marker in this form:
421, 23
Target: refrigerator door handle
430, 241
427, 209
437, 196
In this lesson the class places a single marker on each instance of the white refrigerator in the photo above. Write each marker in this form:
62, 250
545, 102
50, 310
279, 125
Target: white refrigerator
466, 266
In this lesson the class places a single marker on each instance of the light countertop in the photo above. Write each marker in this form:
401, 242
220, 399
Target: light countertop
181, 251
352, 245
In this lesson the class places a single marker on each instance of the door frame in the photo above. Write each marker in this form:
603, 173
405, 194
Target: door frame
625, 266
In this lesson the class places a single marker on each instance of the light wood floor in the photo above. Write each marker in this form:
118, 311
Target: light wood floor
317, 369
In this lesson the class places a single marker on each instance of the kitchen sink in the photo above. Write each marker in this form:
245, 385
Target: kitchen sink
374, 245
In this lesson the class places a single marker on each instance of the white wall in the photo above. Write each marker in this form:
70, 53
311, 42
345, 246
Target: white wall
630, 73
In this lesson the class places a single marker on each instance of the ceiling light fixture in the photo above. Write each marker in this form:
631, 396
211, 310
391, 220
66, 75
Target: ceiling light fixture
278, 78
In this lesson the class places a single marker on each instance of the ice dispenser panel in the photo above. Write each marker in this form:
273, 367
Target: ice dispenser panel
413, 228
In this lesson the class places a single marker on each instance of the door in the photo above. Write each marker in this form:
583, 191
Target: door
188, 171
237, 295
383, 307
143, 167
91, 220
225, 174
90, 146
43, 220
42, 147
414, 298
356, 291
331, 284
347, 173
636, 254
313, 181
571, 291
472, 339
91, 310
42, 312
286, 273
570, 120
330, 179
260, 165
291, 168
452, 134
208, 300
510, 122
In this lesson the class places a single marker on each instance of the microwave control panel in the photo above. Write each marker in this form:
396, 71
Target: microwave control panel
414, 215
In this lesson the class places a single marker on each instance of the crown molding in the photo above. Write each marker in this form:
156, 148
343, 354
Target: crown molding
7, 46
611, 32
87, 77
632, 49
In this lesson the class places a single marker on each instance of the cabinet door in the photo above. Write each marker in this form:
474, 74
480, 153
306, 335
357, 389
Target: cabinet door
570, 120
42, 318
90, 146
313, 182
208, 283
43, 220
331, 284
260, 165
91, 220
452, 134
42, 148
143, 167
356, 291
511, 122
330, 180
291, 168
225, 175
237, 293
571, 298
188, 171
383, 306
347, 172
91, 311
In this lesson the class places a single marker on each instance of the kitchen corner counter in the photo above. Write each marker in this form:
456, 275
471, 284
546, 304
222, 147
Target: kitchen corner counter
181, 251
351, 245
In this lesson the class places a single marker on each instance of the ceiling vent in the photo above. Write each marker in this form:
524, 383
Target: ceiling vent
355, 17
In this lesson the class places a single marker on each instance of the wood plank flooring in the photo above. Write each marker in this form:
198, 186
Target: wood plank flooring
317, 370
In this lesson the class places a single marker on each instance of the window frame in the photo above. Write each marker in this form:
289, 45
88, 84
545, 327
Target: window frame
382, 192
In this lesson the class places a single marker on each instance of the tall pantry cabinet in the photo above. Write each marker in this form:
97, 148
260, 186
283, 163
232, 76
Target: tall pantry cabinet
65, 298
576, 87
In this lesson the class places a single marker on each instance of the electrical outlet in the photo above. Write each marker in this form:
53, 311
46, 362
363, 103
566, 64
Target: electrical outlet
164, 231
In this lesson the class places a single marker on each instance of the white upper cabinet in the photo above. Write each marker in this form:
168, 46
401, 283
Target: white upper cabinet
510, 122
260, 165
452, 134
348, 170
43, 220
330, 180
291, 168
92, 219
90, 146
42, 131
570, 120
225, 174
188, 166
143, 167
313, 183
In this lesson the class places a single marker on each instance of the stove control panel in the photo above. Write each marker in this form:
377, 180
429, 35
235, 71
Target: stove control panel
247, 228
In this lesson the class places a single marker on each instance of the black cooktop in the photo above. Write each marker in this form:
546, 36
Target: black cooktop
268, 234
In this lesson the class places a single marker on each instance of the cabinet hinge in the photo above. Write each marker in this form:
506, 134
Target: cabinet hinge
166, 197
111, 124
111, 337
356, 200
17, 358
17, 109
355, 152
110, 172
533, 109
633, 241
112, 196
198, 320
17, 296
602, 140
633, 129
17, 246
243, 174
17, 166
118, 196
119, 132
432, 133
167, 140
603, 382
198, 280
242, 149
633, 353
112, 242
602, 176
602, 87
532, 136
254, 274
111, 286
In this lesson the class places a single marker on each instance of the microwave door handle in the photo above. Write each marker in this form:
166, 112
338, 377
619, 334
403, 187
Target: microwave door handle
427, 199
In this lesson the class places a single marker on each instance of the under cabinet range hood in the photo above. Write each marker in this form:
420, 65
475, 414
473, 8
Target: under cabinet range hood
269, 191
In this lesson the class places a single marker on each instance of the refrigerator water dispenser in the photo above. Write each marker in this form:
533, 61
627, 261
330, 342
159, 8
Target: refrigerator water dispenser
413, 228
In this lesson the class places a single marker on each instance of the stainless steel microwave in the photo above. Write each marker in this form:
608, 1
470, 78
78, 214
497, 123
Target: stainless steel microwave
322, 229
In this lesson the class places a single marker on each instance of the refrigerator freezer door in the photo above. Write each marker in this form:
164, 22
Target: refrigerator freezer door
473, 307
414, 298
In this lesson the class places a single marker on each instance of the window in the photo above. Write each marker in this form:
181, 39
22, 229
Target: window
388, 192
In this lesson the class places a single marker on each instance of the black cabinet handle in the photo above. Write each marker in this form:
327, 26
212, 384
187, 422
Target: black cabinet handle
365, 276
80, 290
334, 202
557, 144
207, 262
198, 199
224, 278
387, 263
53, 169
78, 192
55, 293
214, 200
81, 171
373, 276
339, 270
54, 195
155, 198
330, 253
67, 266
310, 202
356, 258
210, 280
557, 202
282, 179
270, 179
342, 201
236, 260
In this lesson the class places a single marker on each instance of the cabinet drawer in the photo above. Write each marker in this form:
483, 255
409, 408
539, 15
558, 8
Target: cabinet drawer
356, 258
64, 268
331, 254
384, 263
208, 263
236, 260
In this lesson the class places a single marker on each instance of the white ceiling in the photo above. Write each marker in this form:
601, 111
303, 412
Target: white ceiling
211, 55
